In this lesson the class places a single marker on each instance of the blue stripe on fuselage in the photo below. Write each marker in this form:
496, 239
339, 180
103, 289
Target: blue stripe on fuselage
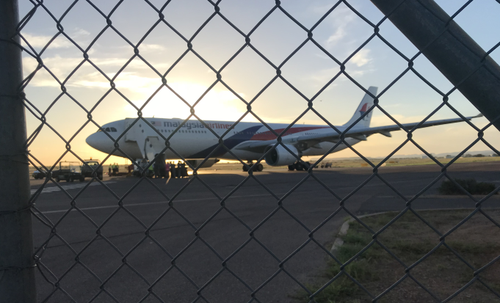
218, 150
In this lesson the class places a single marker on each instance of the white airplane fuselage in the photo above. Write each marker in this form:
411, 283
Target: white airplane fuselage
194, 140
278, 144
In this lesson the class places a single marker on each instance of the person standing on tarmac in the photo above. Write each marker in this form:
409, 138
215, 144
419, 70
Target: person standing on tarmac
167, 170
178, 172
173, 170
156, 167
184, 170
163, 171
150, 171
144, 167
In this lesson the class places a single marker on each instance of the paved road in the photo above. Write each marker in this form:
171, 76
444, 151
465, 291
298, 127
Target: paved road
220, 237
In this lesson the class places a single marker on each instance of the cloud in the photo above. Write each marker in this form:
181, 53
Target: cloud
87, 75
358, 65
346, 36
338, 35
342, 18
126, 80
40, 41
321, 77
144, 47
57, 65
361, 58
217, 104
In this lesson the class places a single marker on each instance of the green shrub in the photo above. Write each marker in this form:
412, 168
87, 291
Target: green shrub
470, 185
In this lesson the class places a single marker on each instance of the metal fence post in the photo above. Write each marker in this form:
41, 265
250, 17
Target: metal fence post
17, 278
457, 56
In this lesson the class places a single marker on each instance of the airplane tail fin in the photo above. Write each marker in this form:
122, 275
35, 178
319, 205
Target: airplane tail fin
363, 107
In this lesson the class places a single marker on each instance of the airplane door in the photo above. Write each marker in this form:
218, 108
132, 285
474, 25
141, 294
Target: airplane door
152, 146
131, 134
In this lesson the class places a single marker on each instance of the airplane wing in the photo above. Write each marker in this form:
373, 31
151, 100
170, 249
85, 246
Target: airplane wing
385, 130
360, 133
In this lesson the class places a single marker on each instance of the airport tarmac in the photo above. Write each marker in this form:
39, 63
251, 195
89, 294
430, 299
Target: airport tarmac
219, 237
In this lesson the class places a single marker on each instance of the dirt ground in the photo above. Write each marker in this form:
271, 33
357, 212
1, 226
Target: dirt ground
455, 255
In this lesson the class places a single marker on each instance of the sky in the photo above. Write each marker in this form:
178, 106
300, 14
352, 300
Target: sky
134, 50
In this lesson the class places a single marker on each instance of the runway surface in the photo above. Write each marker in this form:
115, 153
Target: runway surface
219, 237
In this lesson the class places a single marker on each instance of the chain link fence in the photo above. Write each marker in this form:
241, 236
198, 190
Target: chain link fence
85, 59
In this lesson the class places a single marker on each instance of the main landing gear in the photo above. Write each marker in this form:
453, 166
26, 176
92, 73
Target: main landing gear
299, 166
258, 167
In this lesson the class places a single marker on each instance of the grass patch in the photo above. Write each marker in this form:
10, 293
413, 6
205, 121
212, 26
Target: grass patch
411, 241
473, 187
347, 163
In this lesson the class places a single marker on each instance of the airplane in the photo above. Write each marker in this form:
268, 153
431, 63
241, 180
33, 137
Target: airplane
203, 143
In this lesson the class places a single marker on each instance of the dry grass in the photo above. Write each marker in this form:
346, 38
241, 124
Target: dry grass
346, 163
409, 259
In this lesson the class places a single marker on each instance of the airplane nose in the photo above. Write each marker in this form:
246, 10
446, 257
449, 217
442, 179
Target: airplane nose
94, 141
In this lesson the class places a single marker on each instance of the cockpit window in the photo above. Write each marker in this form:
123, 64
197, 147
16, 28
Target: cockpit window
108, 129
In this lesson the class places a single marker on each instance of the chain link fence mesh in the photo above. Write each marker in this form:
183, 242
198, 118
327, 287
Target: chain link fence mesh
86, 85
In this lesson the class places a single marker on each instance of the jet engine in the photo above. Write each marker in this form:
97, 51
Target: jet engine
280, 156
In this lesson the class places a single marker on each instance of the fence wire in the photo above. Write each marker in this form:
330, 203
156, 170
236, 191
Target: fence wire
64, 265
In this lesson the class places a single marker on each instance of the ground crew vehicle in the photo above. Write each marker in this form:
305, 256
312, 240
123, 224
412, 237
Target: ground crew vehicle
89, 167
69, 171
38, 174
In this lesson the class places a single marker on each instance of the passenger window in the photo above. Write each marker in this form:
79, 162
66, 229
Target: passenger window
107, 129
113, 129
